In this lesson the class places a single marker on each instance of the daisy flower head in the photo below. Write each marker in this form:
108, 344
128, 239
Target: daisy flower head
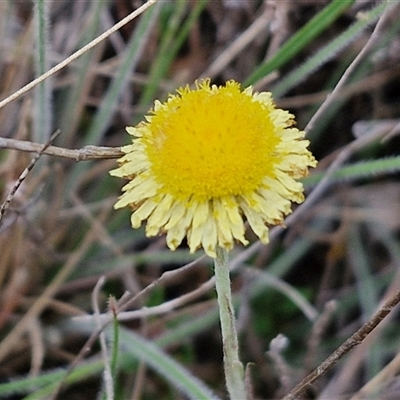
209, 158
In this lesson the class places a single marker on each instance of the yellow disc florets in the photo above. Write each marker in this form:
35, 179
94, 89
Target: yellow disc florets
209, 156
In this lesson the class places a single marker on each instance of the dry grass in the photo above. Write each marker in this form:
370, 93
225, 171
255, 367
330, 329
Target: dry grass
317, 282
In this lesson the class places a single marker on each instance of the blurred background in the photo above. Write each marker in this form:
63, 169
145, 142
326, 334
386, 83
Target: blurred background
298, 298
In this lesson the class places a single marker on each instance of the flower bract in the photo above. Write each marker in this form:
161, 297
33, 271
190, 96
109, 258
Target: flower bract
210, 158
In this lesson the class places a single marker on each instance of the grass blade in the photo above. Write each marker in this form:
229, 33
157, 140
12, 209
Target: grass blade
301, 39
328, 52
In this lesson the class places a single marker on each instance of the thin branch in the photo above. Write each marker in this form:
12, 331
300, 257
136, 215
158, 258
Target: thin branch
337, 91
372, 387
86, 348
348, 345
42, 148
14, 336
84, 154
316, 194
77, 54
254, 31
163, 308
287, 290
145, 312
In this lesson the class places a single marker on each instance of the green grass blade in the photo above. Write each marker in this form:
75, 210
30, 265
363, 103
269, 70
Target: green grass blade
115, 345
106, 110
360, 170
367, 290
133, 347
173, 39
163, 59
130, 59
166, 366
328, 52
45, 384
301, 39
72, 105
42, 104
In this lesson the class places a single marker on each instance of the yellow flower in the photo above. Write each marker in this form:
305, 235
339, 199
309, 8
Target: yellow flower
209, 158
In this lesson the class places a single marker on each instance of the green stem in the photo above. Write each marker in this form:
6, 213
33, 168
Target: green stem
234, 374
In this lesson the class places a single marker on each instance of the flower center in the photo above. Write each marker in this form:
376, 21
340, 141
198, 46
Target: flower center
209, 144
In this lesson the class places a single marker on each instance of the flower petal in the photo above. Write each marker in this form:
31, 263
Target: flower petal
209, 157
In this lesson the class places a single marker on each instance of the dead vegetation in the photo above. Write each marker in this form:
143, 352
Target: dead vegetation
300, 297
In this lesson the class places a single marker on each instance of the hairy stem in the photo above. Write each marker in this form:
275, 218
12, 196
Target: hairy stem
234, 373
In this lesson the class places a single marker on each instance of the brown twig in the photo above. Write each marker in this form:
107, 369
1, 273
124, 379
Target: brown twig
78, 53
40, 149
14, 336
84, 154
123, 305
376, 35
349, 344
163, 308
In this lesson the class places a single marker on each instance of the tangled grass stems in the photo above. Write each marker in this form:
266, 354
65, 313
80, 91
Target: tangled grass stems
302, 212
